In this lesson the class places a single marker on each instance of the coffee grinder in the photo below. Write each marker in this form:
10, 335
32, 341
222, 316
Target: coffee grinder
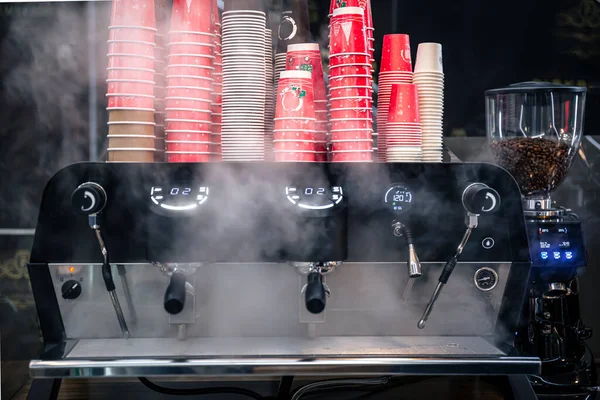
534, 130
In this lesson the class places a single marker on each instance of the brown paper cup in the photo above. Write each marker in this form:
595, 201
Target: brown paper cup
128, 142
130, 129
131, 156
130, 115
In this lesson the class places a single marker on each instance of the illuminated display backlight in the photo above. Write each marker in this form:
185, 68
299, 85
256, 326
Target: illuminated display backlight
180, 197
398, 198
314, 197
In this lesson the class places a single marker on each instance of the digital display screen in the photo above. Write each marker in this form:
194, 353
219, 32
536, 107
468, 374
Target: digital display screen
398, 198
184, 197
554, 243
318, 197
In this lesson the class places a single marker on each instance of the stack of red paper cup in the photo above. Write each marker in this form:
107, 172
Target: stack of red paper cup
307, 57
350, 87
429, 78
244, 89
294, 133
189, 81
403, 128
217, 94
396, 67
269, 95
131, 81
366, 7
160, 90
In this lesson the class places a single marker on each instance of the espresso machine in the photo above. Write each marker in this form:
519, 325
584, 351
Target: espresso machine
534, 130
227, 270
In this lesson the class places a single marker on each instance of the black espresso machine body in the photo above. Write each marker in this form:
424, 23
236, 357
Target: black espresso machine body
232, 220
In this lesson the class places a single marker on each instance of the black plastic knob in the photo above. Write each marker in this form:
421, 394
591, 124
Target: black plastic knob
71, 290
175, 294
479, 198
89, 198
315, 295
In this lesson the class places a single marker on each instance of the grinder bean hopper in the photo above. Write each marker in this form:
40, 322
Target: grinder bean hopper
534, 130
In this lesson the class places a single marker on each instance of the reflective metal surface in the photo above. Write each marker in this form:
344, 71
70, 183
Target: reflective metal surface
393, 355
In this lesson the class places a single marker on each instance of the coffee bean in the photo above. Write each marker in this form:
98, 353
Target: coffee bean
538, 165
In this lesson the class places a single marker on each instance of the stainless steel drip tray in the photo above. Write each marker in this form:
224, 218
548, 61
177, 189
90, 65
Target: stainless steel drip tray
367, 355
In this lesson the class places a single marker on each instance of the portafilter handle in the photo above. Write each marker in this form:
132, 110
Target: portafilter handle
175, 293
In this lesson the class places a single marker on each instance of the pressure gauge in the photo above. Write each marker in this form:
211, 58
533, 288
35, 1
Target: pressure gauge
485, 279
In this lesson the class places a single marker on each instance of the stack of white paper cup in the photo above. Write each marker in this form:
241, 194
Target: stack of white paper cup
269, 95
429, 78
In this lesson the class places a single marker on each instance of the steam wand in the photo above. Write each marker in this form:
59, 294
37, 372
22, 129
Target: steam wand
471, 220
107, 275
123, 274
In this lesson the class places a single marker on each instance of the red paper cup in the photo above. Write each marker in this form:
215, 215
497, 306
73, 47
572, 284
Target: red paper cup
130, 61
198, 126
356, 145
404, 104
131, 102
133, 13
188, 102
308, 60
131, 74
352, 113
216, 119
294, 124
205, 49
131, 33
178, 157
352, 156
294, 134
291, 145
295, 95
191, 59
344, 70
189, 80
351, 135
347, 31
191, 37
130, 87
351, 58
192, 115
350, 102
321, 156
360, 91
350, 80
189, 70
182, 146
195, 16
189, 92
131, 47
294, 156
191, 136
395, 53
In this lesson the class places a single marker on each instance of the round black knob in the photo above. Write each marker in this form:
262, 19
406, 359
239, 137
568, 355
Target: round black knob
71, 290
479, 198
315, 295
89, 198
175, 294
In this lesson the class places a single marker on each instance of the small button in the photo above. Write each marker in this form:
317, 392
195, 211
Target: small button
488, 243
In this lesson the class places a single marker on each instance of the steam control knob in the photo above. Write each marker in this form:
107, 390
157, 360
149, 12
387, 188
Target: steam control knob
89, 198
71, 290
479, 198
315, 295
